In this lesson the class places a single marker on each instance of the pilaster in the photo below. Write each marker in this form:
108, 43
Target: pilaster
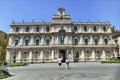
30, 57
93, 55
82, 55
19, 56
103, 55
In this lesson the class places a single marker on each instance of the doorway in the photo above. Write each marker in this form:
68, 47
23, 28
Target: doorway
62, 54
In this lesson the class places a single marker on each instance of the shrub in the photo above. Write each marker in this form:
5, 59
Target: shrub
16, 64
4, 74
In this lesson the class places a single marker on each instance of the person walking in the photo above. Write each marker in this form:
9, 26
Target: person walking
5, 66
67, 63
59, 62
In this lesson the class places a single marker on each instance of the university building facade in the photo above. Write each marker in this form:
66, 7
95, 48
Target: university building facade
46, 41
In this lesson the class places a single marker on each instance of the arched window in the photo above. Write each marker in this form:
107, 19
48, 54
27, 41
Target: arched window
25, 56
87, 55
36, 56
47, 29
85, 28
37, 29
47, 41
37, 42
75, 28
27, 29
77, 54
17, 29
96, 41
108, 54
16, 42
98, 55
86, 41
104, 28
26, 42
105, 41
95, 29
61, 40
76, 41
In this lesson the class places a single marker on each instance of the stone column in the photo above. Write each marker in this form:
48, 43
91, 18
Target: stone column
101, 39
42, 40
93, 55
72, 55
8, 56
66, 39
32, 40
57, 39
19, 56
82, 55
52, 56
42, 56
103, 55
21, 40
57, 53
67, 55
52, 40
91, 39
30, 57
70, 40
81, 39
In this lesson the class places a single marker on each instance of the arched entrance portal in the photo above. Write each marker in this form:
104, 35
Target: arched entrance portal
62, 54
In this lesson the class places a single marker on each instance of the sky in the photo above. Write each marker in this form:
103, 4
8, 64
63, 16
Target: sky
83, 10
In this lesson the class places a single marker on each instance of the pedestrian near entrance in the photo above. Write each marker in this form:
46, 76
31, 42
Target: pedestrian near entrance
59, 63
67, 63
5, 66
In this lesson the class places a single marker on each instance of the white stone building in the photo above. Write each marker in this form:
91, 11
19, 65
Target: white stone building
45, 41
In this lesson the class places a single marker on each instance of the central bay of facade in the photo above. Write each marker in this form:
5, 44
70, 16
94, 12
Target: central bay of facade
46, 41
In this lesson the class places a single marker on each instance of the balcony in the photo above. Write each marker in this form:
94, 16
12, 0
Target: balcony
61, 46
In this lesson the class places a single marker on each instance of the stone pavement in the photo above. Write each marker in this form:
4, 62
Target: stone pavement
77, 71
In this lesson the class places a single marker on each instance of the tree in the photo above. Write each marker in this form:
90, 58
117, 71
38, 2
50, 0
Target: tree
3, 46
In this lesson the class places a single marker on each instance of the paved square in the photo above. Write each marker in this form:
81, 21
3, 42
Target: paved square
77, 71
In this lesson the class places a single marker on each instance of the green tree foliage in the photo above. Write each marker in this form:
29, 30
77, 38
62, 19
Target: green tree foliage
3, 46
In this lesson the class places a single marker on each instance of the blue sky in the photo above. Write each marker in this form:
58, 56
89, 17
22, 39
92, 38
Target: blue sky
38, 10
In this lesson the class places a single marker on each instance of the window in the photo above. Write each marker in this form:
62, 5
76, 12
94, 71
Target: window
37, 42
36, 56
26, 42
96, 41
25, 56
16, 42
86, 41
27, 29
37, 29
47, 41
75, 28
95, 29
77, 54
98, 55
61, 18
105, 41
104, 28
88, 55
47, 29
17, 29
85, 28
61, 40
76, 42
108, 54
